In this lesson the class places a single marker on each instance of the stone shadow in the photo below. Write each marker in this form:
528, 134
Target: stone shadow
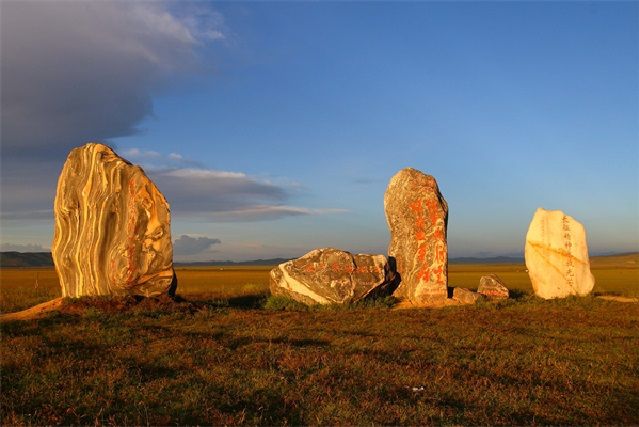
243, 302
517, 294
390, 287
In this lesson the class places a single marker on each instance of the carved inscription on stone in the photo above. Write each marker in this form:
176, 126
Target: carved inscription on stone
557, 255
417, 216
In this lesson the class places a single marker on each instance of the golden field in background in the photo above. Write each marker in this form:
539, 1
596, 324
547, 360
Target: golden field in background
23, 287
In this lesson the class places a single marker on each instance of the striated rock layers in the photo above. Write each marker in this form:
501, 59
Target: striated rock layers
557, 256
112, 228
332, 276
417, 217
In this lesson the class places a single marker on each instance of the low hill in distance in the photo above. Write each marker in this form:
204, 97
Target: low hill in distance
487, 260
26, 259
628, 260
229, 263
43, 259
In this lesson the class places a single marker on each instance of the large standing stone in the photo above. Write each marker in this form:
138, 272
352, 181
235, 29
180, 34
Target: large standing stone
491, 286
417, 217
112, 228
557, 256
331, 276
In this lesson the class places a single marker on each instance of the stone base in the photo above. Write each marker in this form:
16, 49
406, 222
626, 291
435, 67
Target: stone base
465, 296
407, 305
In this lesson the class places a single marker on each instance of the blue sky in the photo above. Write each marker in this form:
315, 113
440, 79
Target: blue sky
275, 127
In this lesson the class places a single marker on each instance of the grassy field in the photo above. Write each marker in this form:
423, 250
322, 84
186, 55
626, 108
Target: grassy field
617, 275
220, 357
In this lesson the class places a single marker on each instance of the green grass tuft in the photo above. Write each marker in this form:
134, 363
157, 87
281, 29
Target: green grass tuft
280, 303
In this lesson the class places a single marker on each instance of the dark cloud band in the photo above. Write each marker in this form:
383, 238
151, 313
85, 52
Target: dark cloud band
187, 245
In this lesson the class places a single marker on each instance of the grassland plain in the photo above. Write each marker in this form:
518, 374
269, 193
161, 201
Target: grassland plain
24, 287
219, 357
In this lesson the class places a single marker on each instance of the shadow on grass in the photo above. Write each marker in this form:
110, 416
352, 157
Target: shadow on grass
152, 372
518, 294
248, 301
232, 341
282, 303
607, 294
241, 302
238, 342
264, 407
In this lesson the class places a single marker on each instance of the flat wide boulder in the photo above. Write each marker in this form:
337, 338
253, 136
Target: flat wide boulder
112, 228
332, 276
417, 217
557, 256
465, 296
492, 287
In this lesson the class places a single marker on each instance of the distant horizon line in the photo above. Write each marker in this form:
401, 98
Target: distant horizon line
507, 257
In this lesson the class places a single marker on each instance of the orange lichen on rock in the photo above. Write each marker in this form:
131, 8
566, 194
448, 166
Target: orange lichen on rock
417, 217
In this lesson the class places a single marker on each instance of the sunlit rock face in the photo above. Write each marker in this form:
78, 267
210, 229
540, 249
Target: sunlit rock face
112, 228
332, 276
465, 296
491, 286
557, 256
417, 217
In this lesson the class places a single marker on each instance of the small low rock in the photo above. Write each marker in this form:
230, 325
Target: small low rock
493, 287
465, 296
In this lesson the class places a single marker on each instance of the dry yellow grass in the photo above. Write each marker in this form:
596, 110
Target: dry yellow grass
23, 287
618, 275
608, 279
204, 362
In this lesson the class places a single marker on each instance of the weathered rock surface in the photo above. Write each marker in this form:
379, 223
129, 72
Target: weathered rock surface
557, 256
493, 287
332, 276
465, 296
417, 216
112, 228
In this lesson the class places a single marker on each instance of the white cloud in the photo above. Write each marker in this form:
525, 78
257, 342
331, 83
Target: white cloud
89, 70
74, 71
203, 174
211, 195
189, 245
19, 247
132, 153
268, 212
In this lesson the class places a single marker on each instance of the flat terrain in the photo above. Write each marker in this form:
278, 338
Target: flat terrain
226, 355
24, 287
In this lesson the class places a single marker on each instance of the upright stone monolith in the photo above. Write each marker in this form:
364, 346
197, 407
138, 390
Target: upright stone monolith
557, 256
112, 228
417, 217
